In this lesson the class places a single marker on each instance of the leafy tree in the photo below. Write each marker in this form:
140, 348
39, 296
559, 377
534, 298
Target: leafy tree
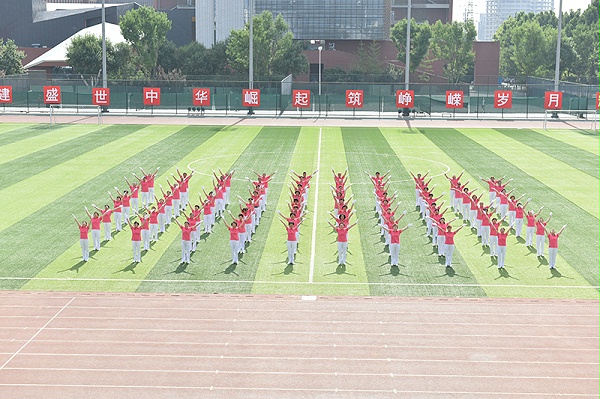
275, 51
420, 37
168, 56
453, 43
369, 59
10, 58
532, 45
146, 30
84, 54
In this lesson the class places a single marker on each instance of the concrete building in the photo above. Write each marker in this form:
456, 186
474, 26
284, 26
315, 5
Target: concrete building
216, 18
498, 11
422, 10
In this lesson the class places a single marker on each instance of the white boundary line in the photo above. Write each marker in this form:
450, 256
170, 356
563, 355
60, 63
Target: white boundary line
124, 280
311, 272
36, 334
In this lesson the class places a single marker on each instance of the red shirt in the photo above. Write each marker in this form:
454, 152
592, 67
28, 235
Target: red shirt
83, 232
530, 220
134, 190
168, 200
494, 228
136, 233
161, 208
395, 236
206, 208
552, 240
519, 212
502, 239
117, 204
146, 223
154, 217
449, 235
539, 228
234, 233
126, 201
291, 233
342, 234
106, 215
150, 179
144, 186
176, 193
96, 223
186, 233
183, 185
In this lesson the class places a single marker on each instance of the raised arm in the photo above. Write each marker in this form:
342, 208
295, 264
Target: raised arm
88, 212
76, 221
561, 230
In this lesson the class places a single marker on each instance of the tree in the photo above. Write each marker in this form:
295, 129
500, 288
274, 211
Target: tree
369, 59
453, 43
146, 30
532, 49
275, 51
420, 37
84, 54
10, 58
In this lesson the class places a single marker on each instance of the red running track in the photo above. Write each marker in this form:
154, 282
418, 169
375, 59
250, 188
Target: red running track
71, 345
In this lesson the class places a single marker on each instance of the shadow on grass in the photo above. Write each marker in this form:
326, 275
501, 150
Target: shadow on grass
289, 269
339, 270
75, 268
128, 268
556, 274
395, 271
503, 273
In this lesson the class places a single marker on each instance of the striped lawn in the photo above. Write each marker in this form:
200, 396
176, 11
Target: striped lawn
51, 172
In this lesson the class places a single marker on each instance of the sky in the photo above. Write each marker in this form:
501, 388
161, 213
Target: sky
479, 7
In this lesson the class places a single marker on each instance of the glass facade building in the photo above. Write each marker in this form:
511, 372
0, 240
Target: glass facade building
333, 19
498, 11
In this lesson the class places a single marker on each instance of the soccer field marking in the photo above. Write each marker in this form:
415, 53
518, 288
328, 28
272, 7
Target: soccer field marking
311, 272
594, 287
37, 333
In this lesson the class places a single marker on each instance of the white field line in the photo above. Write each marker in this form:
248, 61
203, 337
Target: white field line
311, 273
37, 333
124, 280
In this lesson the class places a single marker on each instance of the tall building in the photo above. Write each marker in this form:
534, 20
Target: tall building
422, 10
216, 18
498, 11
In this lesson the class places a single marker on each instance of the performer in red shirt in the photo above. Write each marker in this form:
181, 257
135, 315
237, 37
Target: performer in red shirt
553, 245
84, 228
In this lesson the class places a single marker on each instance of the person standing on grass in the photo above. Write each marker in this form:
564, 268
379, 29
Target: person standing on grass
143, 184
208, 206
519, 215
512, 209
234, 240
168, 198
501, 251
118, 211
395, 242
530, 231
292, 240
494, 229
454, 181
136, 240
186, 237
95, 221
449, 243
540, 235
154, 215
150, 179
106, 215
176, 194
145, 224
84, 228
553, 245
126, 198
183, 182
342, 240
134, 189
162, 215
196, 212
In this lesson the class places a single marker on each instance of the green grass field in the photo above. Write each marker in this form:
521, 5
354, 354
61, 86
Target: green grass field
50, 172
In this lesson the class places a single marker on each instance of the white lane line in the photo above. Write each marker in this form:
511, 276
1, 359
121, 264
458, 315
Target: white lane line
338, 373
311, 273
36, 334
123, 280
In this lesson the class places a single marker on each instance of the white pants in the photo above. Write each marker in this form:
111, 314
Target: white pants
234, 251
162, 218
511, 217
473, 217
134, 204
145, 198
137, 254
176, 207
493, 245
394, 253
441, 244
452, 197
429, 227
342, 252
417, 197
150, 195
96, 239
478, 226
448, 250
552, 252
492, 197
193, 240
242, 243
168, 213
208, 223
291, 247
503, 210
85, 248
539, 244
126, 211
249, 233
466, 208
529, 236
220, 206
154, 231
518, 227
146, 239
434, 232
227, 190
107, 227
184, 197
485, 235
185, 251
198, 233
118, 220
501, 251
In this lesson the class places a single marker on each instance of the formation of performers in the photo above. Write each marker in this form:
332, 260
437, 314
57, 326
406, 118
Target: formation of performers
493, 222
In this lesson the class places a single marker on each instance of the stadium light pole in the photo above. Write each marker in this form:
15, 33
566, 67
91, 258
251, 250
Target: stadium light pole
320, 48
251, 51
406, 111
104, 82
558, 42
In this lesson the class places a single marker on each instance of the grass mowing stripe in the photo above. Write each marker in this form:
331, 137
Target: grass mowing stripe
273, 266
326, 257
32, 145
62, 257
579, 244
67, 176
270, 150
7, 127
22, 168
522, 268
371, 152
574, 138
25, 132
566, 153
576, 186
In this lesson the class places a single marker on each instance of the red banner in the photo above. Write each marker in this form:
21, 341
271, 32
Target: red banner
597, 100
553, 100
100, 96
503, 99
201, 97
454, 99
250, 98
301, 98
405, 99
52, 95
354, 98
5, 94
151, 95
